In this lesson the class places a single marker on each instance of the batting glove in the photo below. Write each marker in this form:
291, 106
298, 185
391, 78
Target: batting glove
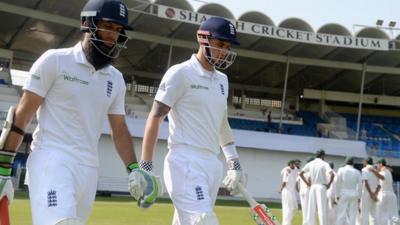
234, 176
6, 187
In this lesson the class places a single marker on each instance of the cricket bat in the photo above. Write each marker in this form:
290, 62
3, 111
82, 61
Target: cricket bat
7, 126
4, 216
261, 213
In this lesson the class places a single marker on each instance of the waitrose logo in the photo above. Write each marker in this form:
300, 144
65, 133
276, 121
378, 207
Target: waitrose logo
74, 79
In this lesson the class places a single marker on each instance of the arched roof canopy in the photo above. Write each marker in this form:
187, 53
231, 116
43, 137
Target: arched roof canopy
216, 10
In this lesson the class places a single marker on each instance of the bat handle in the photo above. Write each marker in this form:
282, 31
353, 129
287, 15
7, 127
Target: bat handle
4, 216
247, 195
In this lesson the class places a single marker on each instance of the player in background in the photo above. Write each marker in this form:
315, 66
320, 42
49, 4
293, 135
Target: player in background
387, 200
331, 194
194, 95
318, 184
288, 192
304, 191
73, 91
348, 187
369, 196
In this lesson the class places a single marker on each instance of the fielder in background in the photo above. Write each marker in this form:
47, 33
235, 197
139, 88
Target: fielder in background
348, 188
304, 191
288, 191
369, 196
387, 201
318, 184
194, 95
73, 91
331, 194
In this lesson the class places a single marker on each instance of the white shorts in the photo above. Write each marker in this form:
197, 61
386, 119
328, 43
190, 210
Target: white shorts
59, 188
192, 178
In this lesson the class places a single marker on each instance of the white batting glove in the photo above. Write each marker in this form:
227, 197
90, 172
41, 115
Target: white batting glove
234, 176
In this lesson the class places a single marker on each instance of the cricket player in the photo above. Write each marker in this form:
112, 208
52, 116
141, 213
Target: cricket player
348, 187
304, 191
318, 184
387, 201
73, 91
369, 196
194, 95
288, 192
331, 194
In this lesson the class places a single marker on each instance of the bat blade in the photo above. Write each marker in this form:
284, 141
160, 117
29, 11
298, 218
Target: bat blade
261, 214
4, 216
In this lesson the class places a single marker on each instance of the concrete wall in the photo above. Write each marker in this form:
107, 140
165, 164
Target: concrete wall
262, 166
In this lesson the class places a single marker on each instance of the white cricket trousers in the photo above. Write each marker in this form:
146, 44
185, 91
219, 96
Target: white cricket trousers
317, 201
347, 208
387, 207
289, 206
192, 178
369, 213
59, 187
304, 195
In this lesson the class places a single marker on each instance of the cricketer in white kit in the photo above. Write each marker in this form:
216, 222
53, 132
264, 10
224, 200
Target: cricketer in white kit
288, 191
194, 95
348, 187
369, 196
304, 191
74, 90
387, 200
318, 202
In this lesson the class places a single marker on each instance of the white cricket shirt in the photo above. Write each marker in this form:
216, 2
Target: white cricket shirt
198, 100
348, 180
77, 100
289, 176
370, 177
317, 169
387, 183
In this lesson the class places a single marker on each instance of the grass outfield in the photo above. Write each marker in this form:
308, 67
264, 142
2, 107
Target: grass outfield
123, 210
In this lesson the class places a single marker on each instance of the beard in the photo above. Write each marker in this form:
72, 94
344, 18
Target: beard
95, 57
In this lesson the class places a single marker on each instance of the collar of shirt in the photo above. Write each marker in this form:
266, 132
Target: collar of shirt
80, 58
200, 70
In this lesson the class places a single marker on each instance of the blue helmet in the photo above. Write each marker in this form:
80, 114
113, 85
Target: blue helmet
220, 29
107, 10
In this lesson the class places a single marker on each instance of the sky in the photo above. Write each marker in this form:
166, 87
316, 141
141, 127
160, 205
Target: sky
317, 13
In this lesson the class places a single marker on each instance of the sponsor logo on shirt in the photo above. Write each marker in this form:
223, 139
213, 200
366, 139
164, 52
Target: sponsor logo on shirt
74, 79
198, 86
36, 77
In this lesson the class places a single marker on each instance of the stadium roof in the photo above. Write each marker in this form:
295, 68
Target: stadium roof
30, 27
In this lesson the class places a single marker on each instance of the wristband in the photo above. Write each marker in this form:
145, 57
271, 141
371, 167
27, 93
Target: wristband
234, 165
146, 165
132, 166
230, 152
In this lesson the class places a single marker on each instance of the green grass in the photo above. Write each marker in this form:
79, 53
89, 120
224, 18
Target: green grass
123, 211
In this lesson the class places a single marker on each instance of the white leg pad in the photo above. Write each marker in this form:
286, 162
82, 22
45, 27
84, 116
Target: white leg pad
207, 219
69, 222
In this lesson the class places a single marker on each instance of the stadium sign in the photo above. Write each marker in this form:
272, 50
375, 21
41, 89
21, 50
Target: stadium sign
279, 32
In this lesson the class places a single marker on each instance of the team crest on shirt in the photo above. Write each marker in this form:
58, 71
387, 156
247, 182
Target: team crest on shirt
199, 193
109, 88
222, 89
51, 198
